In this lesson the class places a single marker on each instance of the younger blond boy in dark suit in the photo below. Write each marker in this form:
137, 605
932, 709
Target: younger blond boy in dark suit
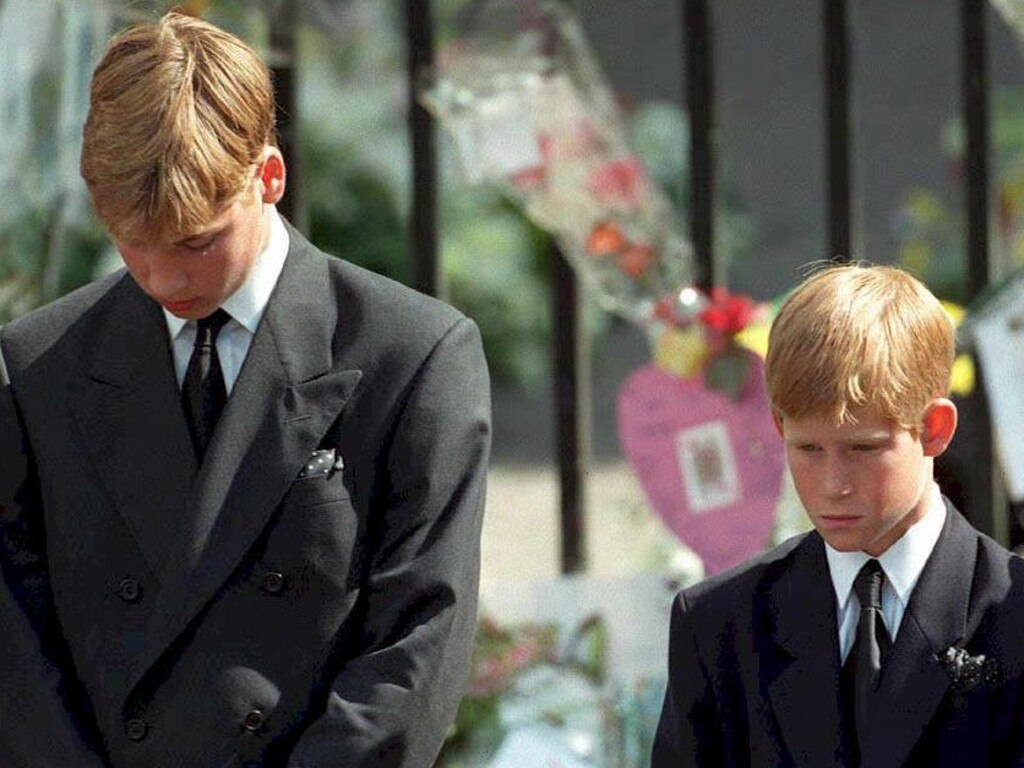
889, 635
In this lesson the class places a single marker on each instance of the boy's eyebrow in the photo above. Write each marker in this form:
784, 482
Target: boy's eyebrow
200, 236
873, 436
869, 438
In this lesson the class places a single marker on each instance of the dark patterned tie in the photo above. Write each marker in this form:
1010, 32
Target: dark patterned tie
863, 668
203, 392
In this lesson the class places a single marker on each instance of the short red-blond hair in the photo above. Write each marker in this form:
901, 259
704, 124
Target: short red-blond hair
859, 337
179, 113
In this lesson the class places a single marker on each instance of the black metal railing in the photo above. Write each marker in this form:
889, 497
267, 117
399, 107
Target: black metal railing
837, 129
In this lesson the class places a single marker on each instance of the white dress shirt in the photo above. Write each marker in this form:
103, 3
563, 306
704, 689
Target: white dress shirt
902, 563
246, 307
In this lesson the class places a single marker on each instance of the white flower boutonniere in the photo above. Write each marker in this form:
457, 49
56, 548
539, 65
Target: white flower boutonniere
966, 671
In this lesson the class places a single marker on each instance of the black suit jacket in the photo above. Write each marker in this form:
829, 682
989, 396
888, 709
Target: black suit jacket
754, 664
236, 613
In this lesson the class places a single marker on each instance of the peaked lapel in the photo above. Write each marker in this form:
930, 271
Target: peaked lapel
285, 399
127, 410
804, 678
913, 684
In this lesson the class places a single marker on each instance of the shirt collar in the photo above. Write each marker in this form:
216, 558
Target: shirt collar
902, 562
247, 305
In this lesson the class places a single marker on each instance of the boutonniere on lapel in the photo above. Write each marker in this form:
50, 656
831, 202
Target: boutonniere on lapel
966, 671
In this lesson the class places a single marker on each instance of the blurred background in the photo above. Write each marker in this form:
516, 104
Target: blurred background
344, 65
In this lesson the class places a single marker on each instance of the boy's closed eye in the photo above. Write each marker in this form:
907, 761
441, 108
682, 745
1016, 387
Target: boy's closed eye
856, 447
199, 244
202, 241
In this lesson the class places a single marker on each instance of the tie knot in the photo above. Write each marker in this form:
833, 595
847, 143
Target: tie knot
868, 585
208, 327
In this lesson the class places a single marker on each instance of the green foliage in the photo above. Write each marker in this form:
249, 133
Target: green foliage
496, 266
27, 246
352, 211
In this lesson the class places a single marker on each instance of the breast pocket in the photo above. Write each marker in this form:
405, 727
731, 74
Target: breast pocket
316, 490
316, 539
320, 480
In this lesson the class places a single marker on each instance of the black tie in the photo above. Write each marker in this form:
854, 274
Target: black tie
871, 648
203, 393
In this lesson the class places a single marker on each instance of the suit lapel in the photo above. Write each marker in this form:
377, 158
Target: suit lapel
802, 603
126, 408
913, 683
285, 399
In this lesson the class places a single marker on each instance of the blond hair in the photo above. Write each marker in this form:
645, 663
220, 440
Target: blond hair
179, 113
859, 337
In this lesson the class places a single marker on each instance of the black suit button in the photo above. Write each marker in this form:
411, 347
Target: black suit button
253, 720
135, 729
273, 582
129, 590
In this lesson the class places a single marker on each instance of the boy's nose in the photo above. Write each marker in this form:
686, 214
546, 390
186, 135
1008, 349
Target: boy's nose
167, 281
837, 480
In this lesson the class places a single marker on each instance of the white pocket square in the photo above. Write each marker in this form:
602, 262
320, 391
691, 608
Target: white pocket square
323, 461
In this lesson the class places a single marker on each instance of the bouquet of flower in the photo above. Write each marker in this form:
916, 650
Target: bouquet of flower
529, 109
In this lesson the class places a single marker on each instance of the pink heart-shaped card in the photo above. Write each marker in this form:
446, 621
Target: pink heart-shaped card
711, 467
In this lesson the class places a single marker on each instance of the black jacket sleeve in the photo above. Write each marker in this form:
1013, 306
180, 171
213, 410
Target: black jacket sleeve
44, 717
393, 703
690, 730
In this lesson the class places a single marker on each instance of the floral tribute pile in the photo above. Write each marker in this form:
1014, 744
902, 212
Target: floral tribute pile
528, 108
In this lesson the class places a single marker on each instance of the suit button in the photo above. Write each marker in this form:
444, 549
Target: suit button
253, 720
130, 590
273, 582
135, 729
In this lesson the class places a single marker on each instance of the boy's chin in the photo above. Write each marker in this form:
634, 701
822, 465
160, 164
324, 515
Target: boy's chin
842, 540
841, 532
842, 544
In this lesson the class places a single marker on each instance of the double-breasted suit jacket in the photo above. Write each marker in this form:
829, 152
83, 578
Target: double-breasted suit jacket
272, 606
754, 664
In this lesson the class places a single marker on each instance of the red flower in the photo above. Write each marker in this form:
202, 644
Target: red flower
620, 182
605, 239
635, 261
728, 313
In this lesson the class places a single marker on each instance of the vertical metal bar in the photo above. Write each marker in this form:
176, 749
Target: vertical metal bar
700, 102
426, 267
989, 503
283, 25
572, 412
838, 144
572, 405
975, 107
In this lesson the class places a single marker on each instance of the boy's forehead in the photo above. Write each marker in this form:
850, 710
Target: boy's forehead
861, 424
148, 237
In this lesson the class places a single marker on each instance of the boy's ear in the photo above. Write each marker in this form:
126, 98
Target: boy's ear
939, 424
778, 423
272, 175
